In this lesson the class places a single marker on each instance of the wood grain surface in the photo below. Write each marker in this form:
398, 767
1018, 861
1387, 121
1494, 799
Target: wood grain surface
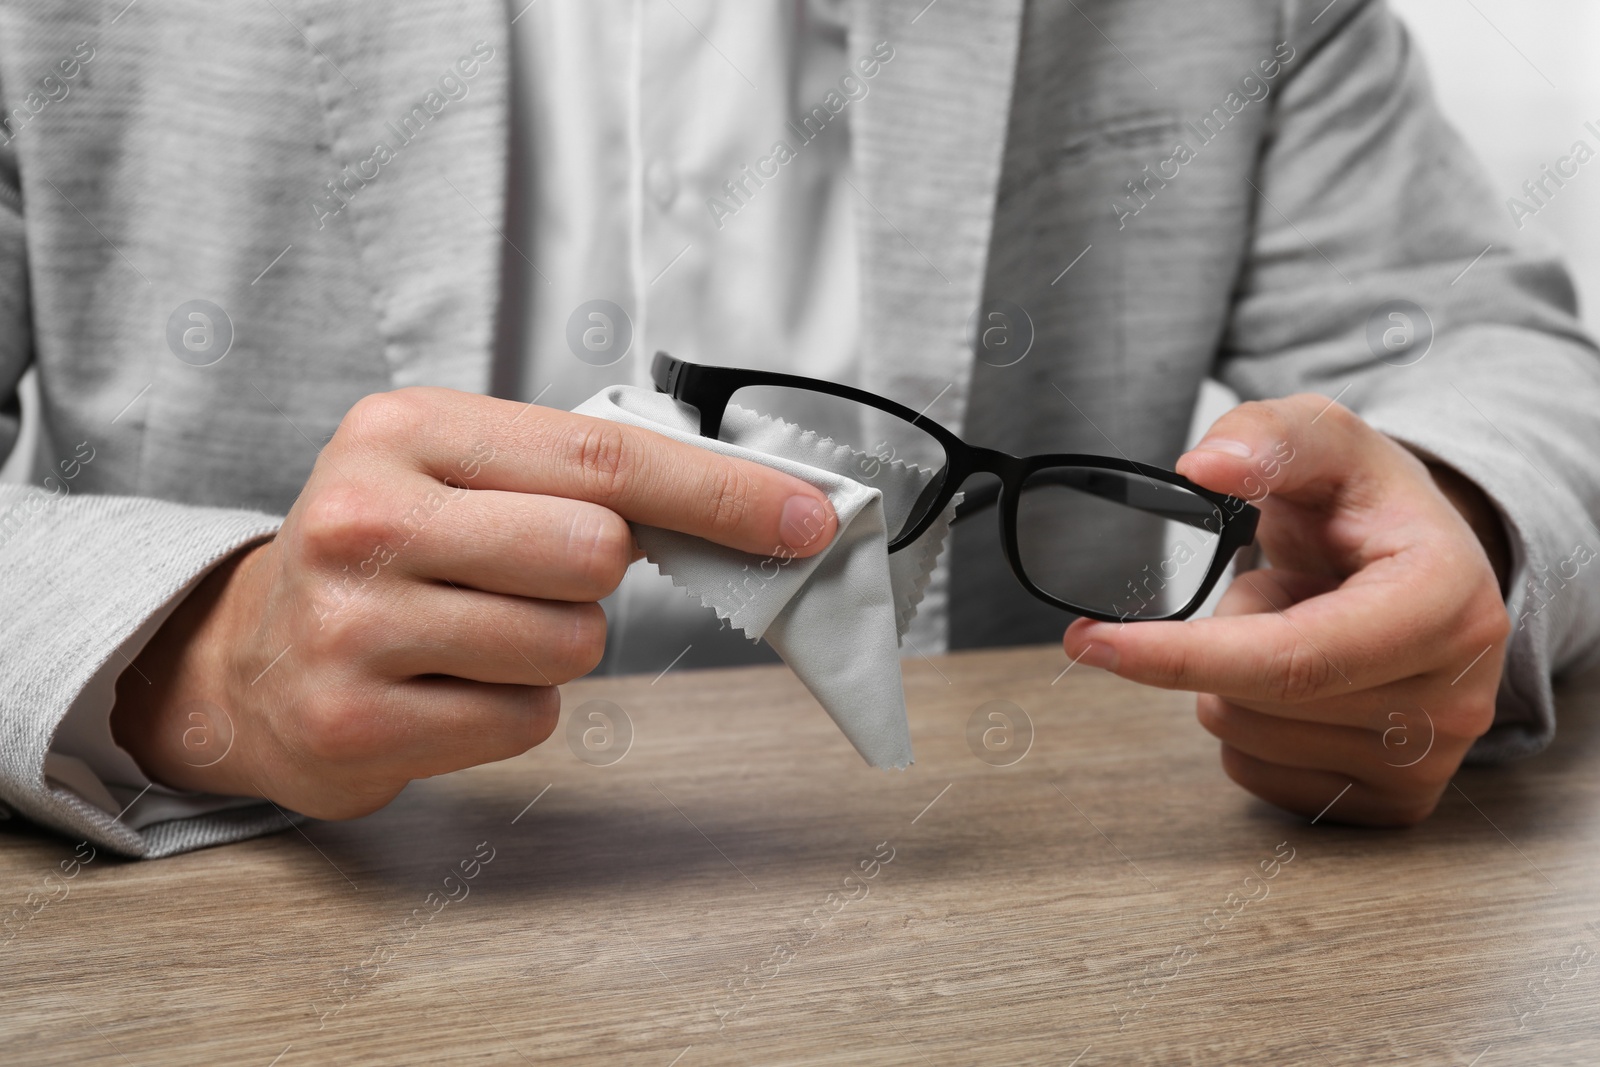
740, 888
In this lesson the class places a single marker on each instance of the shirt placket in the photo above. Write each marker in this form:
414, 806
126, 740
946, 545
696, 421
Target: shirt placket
669, 257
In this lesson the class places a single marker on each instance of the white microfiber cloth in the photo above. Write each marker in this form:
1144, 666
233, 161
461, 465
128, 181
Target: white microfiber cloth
836, 617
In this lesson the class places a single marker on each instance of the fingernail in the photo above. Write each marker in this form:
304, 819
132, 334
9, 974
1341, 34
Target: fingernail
803, 520
1224, 445
1096, 654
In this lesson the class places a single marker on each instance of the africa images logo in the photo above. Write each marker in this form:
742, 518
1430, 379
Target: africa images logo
453, 84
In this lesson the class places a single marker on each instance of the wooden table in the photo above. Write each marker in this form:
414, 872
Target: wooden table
739, 888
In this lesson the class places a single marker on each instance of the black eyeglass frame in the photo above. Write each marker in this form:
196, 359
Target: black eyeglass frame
709, 390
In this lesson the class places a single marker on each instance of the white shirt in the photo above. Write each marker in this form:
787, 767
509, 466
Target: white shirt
635, 115
648, 192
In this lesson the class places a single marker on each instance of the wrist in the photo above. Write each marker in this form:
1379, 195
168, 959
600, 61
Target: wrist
1480, 514
175, 710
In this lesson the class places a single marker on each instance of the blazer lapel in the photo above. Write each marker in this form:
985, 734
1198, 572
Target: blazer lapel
415, 96
926, 147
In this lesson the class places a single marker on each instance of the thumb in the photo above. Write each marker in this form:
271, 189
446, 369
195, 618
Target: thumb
1304, 448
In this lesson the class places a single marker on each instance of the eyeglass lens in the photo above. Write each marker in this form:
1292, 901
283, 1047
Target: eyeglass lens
1121, 544
881, 439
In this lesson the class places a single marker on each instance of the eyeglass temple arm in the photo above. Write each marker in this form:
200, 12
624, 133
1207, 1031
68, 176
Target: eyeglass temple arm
1193, 511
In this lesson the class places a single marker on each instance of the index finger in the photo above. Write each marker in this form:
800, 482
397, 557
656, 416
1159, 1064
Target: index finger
643, 476
1322, 647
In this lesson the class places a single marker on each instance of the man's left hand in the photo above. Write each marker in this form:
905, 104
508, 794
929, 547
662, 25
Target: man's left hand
1369, 655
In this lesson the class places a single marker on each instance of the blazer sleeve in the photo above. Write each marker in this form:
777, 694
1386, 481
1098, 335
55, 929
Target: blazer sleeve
80, 576
1369, 206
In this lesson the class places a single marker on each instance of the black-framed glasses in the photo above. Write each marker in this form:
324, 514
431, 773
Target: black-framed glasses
1099, 536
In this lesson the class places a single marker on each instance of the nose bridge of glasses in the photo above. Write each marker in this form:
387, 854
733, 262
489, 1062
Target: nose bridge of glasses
1003, 468
711, 400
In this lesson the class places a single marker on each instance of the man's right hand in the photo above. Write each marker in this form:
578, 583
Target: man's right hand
435, 581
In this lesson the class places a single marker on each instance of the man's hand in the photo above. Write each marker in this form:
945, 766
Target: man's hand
432, 585
1370, 654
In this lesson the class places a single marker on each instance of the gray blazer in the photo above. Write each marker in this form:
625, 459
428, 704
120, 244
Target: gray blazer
1017, 151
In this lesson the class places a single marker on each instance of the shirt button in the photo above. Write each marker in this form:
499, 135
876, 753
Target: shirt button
661, 183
